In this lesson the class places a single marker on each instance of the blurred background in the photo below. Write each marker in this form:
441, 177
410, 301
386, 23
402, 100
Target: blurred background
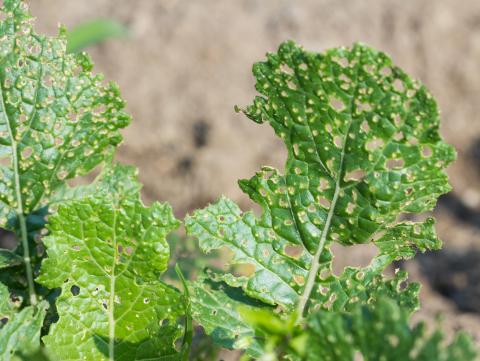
185, 64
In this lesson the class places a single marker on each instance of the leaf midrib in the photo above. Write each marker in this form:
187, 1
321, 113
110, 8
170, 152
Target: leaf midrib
312, 274
19, 200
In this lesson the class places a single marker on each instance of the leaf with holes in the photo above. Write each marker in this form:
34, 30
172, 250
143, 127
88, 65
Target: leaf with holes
57, 119
375, 331
383, 329
356, 285
363, 149
115, 179
19, 329
107, 255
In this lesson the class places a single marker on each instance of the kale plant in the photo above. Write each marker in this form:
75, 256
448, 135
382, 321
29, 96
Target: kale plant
85, 281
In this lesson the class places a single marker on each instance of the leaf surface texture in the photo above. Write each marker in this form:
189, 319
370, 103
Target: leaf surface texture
107, 255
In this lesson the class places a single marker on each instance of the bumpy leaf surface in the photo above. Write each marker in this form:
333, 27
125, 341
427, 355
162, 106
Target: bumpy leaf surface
107, 256
19, 329
376, 331
379, 331
115, 179
363, 149
57, 119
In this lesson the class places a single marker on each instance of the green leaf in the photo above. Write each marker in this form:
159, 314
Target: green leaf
376, 331
39, 355
107, 255
252, 242
362, 284
19, 329
57, 121
115, 179
363, 149
379, 329
93, 32
215, 306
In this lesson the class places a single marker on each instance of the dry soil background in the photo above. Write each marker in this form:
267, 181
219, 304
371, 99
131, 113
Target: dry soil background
188, 63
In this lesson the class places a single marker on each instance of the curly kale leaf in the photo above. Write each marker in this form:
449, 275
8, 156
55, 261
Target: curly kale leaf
363, 149
107, 254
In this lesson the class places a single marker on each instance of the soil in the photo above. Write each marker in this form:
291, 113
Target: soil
187, 63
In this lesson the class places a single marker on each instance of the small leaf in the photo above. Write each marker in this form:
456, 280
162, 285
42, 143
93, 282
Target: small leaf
188, 335
107, 255
94, 32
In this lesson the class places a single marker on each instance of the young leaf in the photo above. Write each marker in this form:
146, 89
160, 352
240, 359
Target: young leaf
57, 120
107, 255
188, 333
93, 32
363, 149
19, 329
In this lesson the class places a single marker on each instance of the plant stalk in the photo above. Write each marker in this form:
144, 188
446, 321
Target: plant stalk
26, 259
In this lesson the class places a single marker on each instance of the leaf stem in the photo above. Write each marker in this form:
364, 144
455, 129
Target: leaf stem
27, 260
313, 272
19, 200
